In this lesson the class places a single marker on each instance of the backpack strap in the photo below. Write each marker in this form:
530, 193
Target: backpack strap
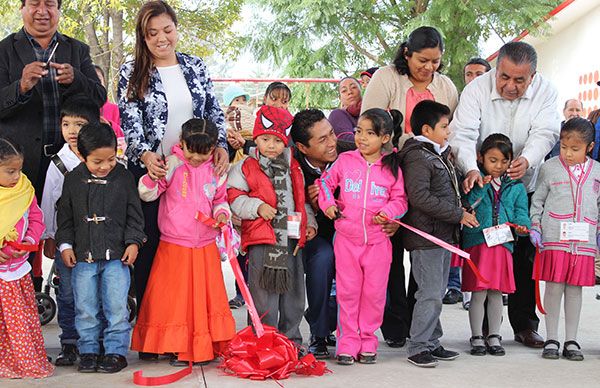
59, 164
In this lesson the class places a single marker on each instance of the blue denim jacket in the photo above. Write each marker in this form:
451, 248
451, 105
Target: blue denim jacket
144, 121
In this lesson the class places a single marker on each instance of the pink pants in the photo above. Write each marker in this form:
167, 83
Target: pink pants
361, 281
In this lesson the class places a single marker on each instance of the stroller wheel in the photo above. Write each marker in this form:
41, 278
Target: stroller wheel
131, 307
46, 307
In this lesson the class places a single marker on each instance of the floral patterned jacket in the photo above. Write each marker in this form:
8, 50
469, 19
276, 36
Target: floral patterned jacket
144, 121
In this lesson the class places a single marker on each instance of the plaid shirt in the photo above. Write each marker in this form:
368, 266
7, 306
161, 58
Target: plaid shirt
50, 96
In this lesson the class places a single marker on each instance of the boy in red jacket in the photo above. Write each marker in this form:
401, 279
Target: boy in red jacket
266, 190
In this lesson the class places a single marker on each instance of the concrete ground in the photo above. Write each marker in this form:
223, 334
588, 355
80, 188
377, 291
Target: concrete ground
520, 367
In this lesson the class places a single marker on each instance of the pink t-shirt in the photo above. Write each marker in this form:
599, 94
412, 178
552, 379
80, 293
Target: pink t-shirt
413, 98
110, 112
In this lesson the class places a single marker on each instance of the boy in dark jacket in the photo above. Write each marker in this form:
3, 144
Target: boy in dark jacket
434, 207
100, 229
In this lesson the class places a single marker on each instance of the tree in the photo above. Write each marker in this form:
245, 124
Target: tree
107, 26
325, 38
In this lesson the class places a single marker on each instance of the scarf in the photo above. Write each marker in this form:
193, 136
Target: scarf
275, 275
14, 202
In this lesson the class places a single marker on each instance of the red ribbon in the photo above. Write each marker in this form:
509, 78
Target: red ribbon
139, 379
272, 355
22, 247
536, 271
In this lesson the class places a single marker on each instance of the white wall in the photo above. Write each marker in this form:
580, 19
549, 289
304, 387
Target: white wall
570, 56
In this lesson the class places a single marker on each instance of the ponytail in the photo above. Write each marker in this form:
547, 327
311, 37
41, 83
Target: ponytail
386, 123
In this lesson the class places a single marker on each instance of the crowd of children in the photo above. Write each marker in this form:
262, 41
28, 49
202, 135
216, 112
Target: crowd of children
94, 228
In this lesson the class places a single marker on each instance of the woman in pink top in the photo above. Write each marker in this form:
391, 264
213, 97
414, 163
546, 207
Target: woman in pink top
413, 77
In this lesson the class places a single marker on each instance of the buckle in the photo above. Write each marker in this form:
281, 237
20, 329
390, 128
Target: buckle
50, 149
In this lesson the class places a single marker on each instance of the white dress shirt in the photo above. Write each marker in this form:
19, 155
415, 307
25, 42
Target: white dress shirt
531, 122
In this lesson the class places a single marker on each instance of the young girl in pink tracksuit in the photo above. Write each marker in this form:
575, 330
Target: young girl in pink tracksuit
371, 191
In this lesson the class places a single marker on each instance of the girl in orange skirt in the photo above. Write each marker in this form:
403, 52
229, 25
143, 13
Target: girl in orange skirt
185, 309
22, 352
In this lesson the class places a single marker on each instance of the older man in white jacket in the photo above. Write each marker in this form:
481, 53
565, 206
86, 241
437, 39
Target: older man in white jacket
513, 100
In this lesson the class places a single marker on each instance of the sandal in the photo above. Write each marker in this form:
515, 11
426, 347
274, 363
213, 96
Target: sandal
477, 350
573, 355
367, 358
551, 354
345, 359
495, 350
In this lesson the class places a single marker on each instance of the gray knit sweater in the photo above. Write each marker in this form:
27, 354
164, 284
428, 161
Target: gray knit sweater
554, 202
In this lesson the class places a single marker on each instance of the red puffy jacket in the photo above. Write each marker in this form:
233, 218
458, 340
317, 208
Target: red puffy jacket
260, 231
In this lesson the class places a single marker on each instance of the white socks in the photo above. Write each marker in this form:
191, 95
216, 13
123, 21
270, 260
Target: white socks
552, 298
494, 314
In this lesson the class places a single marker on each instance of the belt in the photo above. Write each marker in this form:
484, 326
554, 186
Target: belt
51, 149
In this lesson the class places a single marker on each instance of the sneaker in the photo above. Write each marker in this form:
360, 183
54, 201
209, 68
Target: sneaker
88, 363
345, 359
367, 358
67, 356
423, 360
112, 363
331, 340
236, 303
318, 347
395, 342
452, 297
445, 355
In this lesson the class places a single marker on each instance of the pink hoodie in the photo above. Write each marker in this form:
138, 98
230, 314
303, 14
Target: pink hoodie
29, 228
188, 191
362, 185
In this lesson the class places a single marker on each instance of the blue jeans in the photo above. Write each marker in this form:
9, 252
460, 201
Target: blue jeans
319, 266
105, 282
65, 303
454, 279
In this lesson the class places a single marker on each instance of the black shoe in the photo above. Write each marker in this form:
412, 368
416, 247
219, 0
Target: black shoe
331, 340
495, 350
452, 297
395, 342
367, 358
67, 356
423, 360
148, 356
445, 355
112, 363
573, 355
88, 363
477, 350
551, 353
236, 303
345, 359
318, 347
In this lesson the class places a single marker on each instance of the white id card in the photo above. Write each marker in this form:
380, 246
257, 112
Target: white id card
574, 231
293, 225
497, 235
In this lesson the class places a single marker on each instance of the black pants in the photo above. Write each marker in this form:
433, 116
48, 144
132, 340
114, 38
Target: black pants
143, 264
399, 304
521, 304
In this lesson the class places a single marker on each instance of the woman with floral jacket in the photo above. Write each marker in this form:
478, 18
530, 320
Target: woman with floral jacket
158, 91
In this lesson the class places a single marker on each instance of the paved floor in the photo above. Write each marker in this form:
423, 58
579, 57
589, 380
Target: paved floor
520, 367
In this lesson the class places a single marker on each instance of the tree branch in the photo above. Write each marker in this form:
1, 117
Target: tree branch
356, 46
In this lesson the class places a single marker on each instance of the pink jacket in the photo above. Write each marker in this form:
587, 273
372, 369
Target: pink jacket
110, 112
30, 228
188, 192
362, 186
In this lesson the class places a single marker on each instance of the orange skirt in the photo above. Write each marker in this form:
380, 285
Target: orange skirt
185, 308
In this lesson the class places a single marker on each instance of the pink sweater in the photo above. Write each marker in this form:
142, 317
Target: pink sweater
29, 228
110, 112
186, 192
362, 186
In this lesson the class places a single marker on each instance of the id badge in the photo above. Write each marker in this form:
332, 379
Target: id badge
497, 235
293, 225
574, 231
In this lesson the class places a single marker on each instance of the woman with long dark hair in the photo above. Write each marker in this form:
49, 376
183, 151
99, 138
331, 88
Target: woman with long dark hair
158, 91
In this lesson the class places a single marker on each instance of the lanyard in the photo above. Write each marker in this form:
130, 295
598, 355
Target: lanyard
572, 178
